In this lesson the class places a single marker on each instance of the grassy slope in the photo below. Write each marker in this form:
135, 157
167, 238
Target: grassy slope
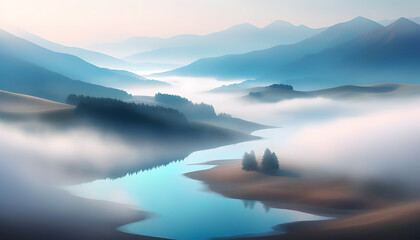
20, 103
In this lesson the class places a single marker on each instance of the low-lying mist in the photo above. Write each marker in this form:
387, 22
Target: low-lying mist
377, 145
37, 149
366, 138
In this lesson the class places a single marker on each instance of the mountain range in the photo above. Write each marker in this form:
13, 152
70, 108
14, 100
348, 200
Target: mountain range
357, 52
360, 51
385, 55
68, 65
22, 77
257, 63
184, 49
95, 58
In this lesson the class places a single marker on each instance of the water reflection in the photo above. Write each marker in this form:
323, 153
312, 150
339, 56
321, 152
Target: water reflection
180, 203
249, 203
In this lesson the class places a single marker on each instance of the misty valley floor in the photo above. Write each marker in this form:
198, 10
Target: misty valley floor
32, 207
90, 148
325, 198
82, 218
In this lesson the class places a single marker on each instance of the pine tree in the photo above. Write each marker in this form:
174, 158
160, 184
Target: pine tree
249, 162
269, 161
275, 161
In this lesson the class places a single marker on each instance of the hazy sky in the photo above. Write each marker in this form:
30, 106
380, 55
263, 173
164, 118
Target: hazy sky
82, 21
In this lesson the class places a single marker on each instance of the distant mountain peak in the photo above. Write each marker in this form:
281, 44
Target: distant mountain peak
362, 20
303, 26
403, 19
279, 24
356, 24
405, 24
243, 26
403, 27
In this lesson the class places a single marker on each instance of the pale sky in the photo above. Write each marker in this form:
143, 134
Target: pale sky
78, 22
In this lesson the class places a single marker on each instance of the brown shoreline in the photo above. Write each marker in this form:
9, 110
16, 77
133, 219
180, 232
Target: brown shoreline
321, 197
392, 223
359, 214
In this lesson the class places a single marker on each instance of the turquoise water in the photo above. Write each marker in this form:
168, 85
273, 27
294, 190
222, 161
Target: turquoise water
182, 208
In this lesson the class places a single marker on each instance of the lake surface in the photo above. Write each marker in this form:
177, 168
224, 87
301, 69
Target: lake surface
182, 208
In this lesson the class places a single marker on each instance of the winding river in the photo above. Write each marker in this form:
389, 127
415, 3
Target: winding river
182, 208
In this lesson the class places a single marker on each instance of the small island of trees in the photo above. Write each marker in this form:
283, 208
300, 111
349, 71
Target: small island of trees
269, 162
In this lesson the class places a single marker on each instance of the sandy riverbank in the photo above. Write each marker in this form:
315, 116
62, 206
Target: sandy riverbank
334, 197
400, 222
360, 212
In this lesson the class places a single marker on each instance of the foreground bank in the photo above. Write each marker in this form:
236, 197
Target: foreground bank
359, 213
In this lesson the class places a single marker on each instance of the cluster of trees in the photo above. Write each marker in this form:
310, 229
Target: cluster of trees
269, 161
117, 110
224, 115
281, 86
255, 94
171, 99
272, 86
190, 109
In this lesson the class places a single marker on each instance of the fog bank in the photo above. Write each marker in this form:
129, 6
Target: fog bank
381, 145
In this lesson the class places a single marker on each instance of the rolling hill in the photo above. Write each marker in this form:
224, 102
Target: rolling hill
259, 63
95, 58
203, 113
19, 76
279, 92
68, 65
150, 124
19, 103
